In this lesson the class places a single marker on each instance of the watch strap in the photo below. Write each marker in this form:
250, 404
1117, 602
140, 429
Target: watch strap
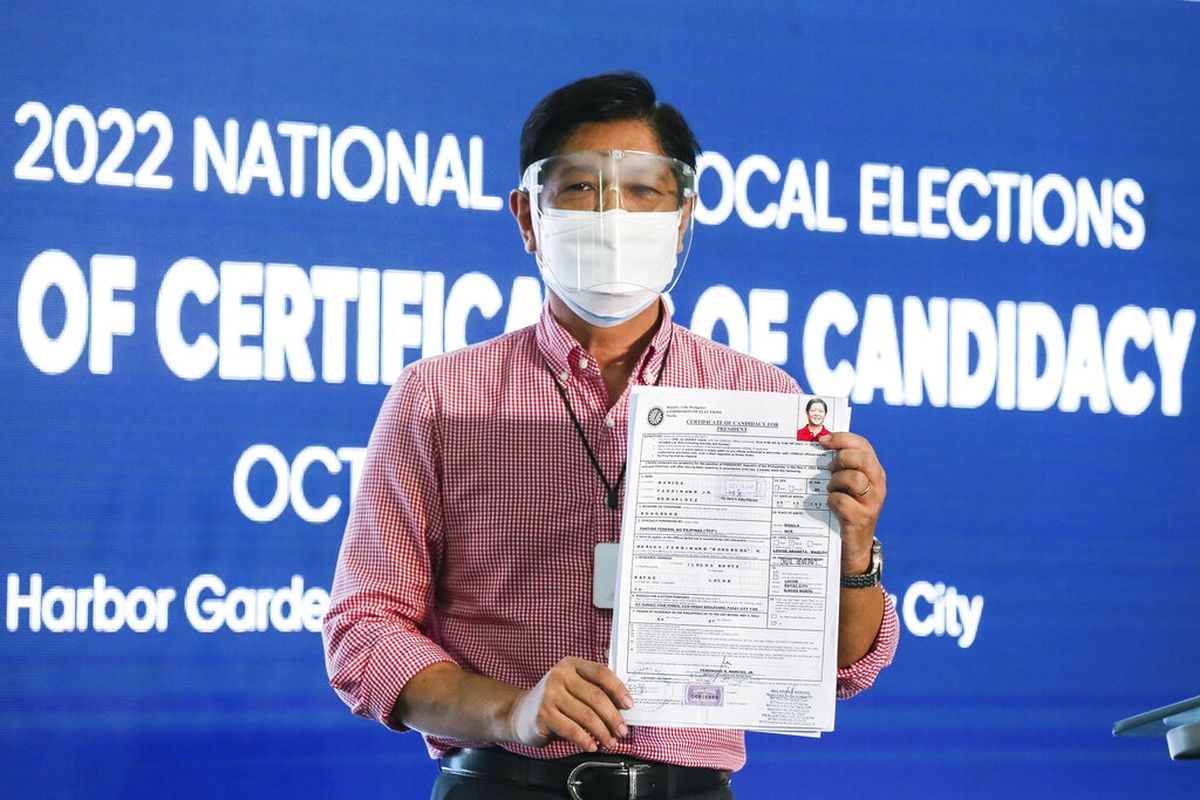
873, 577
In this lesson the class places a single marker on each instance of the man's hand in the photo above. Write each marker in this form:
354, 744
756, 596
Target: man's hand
576, 700
856, 493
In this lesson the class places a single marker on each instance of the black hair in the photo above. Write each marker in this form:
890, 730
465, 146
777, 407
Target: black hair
604, 98
813, 402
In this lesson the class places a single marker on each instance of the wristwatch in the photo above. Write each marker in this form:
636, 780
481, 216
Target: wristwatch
873, 576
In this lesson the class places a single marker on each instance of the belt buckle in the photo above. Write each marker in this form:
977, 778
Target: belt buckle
630, 771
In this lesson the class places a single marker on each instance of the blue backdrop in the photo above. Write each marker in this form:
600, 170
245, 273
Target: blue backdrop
225, 228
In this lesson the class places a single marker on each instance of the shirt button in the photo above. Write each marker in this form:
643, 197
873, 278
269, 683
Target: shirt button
610, 422
583, 363
564, 376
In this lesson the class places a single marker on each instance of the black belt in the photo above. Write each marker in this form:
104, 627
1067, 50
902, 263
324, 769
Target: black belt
585, 776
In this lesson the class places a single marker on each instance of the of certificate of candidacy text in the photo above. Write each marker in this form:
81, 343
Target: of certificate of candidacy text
726, 608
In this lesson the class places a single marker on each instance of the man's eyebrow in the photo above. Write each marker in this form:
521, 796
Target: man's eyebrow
567, 170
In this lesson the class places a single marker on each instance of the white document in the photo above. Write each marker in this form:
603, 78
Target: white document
726, 608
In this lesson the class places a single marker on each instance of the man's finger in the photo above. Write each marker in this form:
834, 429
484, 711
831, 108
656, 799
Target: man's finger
844, 439
841, 504
587, 718
599, 701
851, 482
851, 458
859, 460
564, 727
607, 680
852, 514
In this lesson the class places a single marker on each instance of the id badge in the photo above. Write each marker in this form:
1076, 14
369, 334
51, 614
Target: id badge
604, 574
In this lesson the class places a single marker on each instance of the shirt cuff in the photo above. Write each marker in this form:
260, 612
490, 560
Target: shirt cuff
392, 664
862, 673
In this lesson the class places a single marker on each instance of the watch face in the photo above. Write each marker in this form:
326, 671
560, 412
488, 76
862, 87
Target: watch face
873, 577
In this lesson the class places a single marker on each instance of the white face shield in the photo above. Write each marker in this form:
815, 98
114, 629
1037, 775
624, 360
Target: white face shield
610, 227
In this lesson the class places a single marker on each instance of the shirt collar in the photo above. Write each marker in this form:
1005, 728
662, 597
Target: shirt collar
560, 348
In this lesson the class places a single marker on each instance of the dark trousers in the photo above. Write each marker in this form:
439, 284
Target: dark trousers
461, 787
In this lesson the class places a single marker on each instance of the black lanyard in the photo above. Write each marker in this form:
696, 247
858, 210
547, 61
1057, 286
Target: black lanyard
611, 489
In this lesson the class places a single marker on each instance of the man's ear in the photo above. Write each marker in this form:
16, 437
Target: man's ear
685, 218
518, 204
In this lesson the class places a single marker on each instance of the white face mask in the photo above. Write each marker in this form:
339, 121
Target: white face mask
607, 266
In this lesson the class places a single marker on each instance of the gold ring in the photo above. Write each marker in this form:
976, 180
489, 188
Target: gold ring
865, 491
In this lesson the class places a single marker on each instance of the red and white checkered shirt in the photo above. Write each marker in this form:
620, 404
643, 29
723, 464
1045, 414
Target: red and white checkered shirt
471, 536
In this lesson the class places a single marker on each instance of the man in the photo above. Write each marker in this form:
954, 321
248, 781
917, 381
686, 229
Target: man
462, 602
815, 410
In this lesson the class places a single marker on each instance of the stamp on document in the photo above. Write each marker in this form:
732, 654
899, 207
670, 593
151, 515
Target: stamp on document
704, 695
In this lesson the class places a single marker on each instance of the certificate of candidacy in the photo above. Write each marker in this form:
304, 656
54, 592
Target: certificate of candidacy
726, 605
